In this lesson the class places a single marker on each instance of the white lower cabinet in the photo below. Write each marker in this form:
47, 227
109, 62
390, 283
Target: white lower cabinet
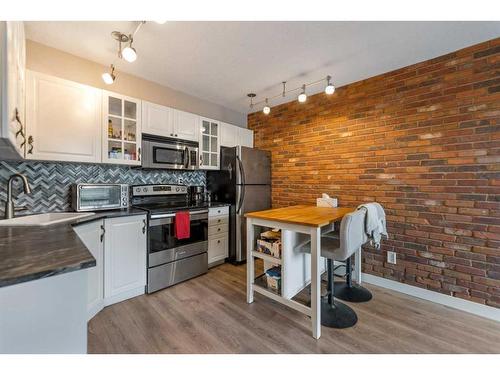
124, 258
119, 248
218, 236
92, 235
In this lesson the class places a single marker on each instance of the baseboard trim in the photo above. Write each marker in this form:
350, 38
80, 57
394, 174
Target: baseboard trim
457, 303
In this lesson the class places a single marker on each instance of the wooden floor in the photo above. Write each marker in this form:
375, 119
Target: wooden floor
209, 314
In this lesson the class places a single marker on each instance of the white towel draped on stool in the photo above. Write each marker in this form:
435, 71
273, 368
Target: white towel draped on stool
375, 225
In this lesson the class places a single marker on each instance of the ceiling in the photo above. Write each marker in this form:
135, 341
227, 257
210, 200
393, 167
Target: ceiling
223, 61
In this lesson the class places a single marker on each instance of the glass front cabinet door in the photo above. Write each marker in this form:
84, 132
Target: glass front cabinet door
209, 144
121, 129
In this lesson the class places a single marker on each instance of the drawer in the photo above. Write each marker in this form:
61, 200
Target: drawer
217, 248
218, 211
218, 229
218, 220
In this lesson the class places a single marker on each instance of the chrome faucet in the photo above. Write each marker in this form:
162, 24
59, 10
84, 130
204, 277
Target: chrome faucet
9, 205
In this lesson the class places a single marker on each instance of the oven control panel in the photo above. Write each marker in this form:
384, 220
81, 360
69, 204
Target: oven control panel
148, 190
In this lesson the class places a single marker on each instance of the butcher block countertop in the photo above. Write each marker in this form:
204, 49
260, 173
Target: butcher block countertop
310, 216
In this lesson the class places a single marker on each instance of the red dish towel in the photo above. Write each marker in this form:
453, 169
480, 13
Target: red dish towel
182, 225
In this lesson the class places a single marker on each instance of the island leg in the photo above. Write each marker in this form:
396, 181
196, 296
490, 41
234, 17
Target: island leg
250, 260
316, 282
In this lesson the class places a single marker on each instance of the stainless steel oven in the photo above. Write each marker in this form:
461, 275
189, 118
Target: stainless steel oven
171, 260
95, 197
167, 153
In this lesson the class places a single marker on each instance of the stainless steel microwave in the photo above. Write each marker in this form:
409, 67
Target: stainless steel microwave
95, 197
166, 153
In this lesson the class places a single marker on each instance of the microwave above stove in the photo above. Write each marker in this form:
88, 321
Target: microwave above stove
95, 197
166, 153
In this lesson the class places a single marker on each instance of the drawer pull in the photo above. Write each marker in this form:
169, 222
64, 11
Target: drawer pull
218, 241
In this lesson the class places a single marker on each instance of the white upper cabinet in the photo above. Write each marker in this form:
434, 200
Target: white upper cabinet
228, 135
157, 119
62, 119
169, 122
209, 144
245, 137
121, 129
12, 89
231, 136
186, 125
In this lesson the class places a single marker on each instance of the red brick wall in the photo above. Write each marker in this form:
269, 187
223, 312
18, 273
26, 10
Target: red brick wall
424, 141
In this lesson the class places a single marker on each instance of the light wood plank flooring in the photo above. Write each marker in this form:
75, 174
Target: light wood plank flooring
209, 314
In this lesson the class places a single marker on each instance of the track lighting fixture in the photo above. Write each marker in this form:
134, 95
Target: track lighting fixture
109, 77
302, 96
128, 53
266, 108
329, 89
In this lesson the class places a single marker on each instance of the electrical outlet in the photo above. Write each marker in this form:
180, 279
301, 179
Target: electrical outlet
391, 257
180, 181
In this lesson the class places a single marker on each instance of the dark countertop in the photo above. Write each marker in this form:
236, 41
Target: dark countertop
34, 252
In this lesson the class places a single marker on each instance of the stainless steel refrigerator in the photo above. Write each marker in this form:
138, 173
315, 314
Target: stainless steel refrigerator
243, 181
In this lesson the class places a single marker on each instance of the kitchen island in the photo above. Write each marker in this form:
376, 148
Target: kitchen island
297, 224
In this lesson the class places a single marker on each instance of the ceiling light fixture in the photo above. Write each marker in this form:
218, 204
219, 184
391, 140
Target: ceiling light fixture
329, 89
161, 22
109, 77
266, 108
302, 96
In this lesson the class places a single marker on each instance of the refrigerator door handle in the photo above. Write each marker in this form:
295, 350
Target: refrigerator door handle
242, 186
230, 169
242, 196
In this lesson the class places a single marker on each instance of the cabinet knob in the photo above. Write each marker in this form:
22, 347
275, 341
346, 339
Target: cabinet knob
218, 241
176, 135
171, 134
218, 229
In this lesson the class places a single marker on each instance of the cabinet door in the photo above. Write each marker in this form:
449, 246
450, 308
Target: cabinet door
228, 135
245, 137
186, 125
217, 248
12, 84
209, 144
62, 120
157, 119
124, 258
122, 129
92, 235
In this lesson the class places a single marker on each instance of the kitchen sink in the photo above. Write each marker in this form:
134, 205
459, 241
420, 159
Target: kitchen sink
44, 219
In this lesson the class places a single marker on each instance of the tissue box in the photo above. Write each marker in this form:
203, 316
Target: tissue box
326, 202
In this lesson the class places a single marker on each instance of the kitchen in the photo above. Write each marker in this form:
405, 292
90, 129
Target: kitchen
143, 218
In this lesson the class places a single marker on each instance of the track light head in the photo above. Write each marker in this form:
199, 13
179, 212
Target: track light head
129, 53
109, 77
251, 96
266, 109
302, 96
329, 89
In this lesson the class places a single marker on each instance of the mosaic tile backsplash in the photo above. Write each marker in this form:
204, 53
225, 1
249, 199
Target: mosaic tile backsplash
50, 182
